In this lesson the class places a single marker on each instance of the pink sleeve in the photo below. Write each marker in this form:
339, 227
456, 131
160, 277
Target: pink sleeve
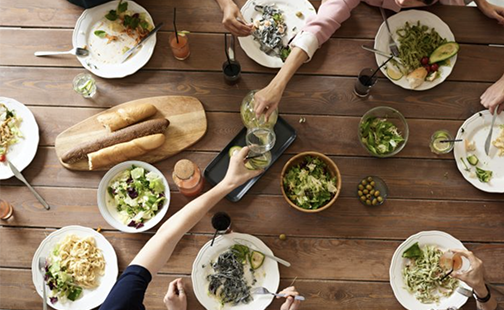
452, 2
329, 18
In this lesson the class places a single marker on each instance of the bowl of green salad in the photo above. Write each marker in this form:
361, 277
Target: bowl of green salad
383, 132
310, 182
133, 196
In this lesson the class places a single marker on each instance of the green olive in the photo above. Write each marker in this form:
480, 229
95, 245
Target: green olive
361, 187
372, 192
282, 237
365, 192
368, 196
364, 182
369, 187
370, 179
377, 193
373, 183
375, 202
380, 199
368, 202
363, 198
359, 193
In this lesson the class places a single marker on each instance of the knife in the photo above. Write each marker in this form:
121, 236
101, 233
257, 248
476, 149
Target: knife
21, 178
134, 48
489, 137
369, 49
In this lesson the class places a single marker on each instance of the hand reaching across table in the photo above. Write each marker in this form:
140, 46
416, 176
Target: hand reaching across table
491, 10
494, 96
233, 20
474, 277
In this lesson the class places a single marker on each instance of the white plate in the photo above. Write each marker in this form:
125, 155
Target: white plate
104, 60
271, 279
90, 298
22, 153
289, 8
413, 16
476, 129
110, 213
440, 239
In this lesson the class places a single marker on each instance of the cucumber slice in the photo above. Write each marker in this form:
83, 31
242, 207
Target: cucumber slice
444, 52
473, 160
393, 73
234, 149
256, 259
248, 165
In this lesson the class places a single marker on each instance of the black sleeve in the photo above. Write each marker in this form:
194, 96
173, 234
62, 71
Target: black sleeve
129, 291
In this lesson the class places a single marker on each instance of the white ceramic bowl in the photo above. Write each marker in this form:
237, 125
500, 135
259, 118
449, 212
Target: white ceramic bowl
113, 219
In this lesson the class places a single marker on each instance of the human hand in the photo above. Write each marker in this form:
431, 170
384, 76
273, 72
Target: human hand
290, 303
237, 173
267, 100
175, 298
474, 276
231, 14
492, 11
493, 96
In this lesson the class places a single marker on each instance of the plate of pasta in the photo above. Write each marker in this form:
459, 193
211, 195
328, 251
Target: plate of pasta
417, 275
420, 35
81, 268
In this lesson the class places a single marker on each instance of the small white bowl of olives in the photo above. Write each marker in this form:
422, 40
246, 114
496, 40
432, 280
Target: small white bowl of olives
372, 191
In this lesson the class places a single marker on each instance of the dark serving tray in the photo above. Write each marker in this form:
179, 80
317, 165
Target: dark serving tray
216, 170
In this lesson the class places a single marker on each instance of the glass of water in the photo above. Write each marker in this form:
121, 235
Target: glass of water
85, 85
260, 140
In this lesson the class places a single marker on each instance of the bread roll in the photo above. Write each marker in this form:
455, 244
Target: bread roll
126, 116
124, 151
129, 133
417, 77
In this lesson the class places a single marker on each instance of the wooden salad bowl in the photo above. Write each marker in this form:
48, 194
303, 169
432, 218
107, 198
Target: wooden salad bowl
333, 169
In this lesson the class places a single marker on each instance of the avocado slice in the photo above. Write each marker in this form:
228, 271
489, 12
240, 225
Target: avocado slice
256, 259
413, 251
444, 52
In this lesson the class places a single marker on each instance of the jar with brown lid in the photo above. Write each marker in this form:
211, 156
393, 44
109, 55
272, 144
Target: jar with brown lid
187, 176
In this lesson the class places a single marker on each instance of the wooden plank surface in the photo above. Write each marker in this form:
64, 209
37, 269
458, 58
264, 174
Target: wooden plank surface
324, 95
267, 214
18, 45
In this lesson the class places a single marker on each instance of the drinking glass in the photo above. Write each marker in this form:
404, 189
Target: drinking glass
260, 140
231, 71
364, 83
179, 48
260, 162
438, 147
85, 85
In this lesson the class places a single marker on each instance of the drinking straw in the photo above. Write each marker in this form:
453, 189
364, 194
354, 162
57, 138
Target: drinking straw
376, 71
226, 49
175, 23
215, 235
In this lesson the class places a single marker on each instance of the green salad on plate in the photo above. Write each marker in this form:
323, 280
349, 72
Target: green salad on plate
137, 194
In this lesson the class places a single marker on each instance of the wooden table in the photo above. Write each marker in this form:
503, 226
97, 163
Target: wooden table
340, 257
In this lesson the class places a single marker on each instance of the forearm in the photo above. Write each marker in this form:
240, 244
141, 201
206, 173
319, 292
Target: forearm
296, 58
481, 291
223, 3
159, 248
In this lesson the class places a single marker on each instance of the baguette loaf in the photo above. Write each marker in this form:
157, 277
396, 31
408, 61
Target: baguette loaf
142, 129
123, 117
124, 151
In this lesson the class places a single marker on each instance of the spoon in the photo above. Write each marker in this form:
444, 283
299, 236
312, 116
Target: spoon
77, 51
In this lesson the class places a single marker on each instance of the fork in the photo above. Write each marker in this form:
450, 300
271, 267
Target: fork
264, 291
392, 45
77, 51
41, 265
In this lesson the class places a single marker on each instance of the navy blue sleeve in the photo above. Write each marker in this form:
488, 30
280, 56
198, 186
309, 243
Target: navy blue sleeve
129, 291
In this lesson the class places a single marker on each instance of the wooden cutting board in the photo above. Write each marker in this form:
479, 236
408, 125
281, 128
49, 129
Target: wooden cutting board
188, 125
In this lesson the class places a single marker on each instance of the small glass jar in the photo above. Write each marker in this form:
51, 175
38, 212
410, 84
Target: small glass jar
187, 176
6, 210
437, 145
84, 84
249, 117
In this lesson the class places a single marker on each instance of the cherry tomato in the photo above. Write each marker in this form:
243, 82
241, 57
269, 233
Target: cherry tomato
425, 61
2, 157
434, 67
428, 68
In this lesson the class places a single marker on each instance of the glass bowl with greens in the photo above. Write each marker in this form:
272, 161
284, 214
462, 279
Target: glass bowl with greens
310, 182
383, 132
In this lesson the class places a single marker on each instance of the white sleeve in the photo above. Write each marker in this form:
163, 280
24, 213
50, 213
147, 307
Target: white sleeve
307, 42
